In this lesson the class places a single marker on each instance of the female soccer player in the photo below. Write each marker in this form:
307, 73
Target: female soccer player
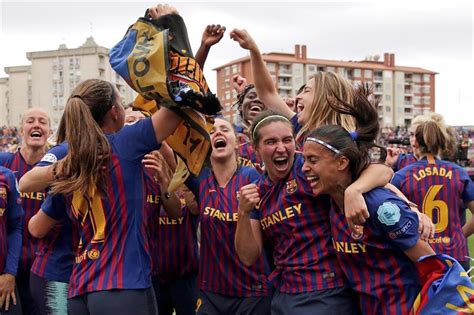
318, 92
11, 226
226, 285
438, 187
103, 177
35, 130
398, 160
308, 277
378, 258
173, 240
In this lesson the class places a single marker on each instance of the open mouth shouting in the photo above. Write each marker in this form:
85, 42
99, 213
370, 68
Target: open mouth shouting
219, 143
281, 163
36, 134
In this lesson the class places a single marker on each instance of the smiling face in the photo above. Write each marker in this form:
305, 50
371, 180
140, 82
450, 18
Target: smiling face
323, 168
35, 128
276, 148
251, 106
305, 99
223, 140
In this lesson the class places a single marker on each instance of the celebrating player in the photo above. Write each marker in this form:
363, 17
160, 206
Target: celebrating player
438, 187
378, 257
226, 285
35, 130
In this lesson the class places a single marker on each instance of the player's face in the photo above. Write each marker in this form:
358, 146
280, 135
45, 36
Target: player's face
305, 99
132, 116
251, 106
35, 128
223, 140
411, 132
321, 168
276, 148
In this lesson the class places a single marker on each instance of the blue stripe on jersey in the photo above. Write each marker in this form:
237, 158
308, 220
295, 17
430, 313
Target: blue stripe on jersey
373, 261
438, 189
31, 203
173, 242
297, 225
120, 260
11, 223
403, 160
220, 270
55, 257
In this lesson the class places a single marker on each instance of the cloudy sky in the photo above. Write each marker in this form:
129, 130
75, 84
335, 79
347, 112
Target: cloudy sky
436, 36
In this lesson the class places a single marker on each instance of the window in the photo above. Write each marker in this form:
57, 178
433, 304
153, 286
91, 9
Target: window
226, 71
387, 74
388, 109
235, 69
226, 83
357, 73
227, 95
367, 73
341, 71
330, 69
426, 89
388, 98
416, 78
271, 67
426, 78
312, 68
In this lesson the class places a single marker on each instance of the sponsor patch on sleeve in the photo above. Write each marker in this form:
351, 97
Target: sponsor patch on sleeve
388, 213
50, 158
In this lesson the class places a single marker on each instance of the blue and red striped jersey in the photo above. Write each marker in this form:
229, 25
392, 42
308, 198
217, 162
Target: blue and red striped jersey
173, 242
296, 223
403, 159
373, 260
247, 156
438, 187
220, 269
11, 223
31, 203
114, 250
55, 256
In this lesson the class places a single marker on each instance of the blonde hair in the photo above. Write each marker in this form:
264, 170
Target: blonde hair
449, 146
329, 87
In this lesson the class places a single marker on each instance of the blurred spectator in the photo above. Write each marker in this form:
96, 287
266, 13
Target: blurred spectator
9, 139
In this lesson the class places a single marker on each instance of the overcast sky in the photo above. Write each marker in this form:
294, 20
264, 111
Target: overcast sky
437, 36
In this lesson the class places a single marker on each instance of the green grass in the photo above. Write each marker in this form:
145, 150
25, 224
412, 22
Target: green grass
470, 240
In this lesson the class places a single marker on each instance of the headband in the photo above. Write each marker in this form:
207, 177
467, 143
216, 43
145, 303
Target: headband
325, 144
281, 117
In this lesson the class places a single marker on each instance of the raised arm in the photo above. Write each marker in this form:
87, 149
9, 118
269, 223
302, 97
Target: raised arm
212, 35
248, 236
263, 81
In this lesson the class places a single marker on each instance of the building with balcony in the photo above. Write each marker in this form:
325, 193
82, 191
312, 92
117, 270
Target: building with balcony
402, 92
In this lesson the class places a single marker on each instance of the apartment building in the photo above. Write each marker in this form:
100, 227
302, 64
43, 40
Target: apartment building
50, 79
403, 92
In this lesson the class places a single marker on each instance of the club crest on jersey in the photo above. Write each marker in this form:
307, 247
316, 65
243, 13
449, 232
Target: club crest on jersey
291, 186
93, 254
3, 193
388, 213
358, 232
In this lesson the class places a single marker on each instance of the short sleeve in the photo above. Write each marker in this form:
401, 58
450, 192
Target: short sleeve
396, 220
54, 206
468, 192
56, 153
134, 141
396, 180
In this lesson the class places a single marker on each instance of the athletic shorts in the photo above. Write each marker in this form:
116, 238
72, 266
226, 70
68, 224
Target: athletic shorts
178, 295
50, 296
117, 302
339, 301
216, 304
